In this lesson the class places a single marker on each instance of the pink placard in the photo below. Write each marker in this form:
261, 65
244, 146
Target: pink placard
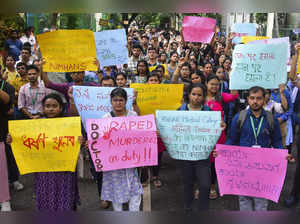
198, 29
122, 142
256, 172
4, 188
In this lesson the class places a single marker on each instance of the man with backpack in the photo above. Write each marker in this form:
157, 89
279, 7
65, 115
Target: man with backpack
255, 127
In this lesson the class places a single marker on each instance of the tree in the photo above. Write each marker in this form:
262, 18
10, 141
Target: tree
9, 23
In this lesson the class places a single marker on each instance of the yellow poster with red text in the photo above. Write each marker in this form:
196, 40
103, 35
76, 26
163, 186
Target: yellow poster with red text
152, 97
68, 50
46, 145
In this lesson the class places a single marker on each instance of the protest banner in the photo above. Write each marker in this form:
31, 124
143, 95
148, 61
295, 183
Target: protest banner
158, 97
122, 142
4, 188
258, 65
46, 145
198, 29
68, 50
247, 171
275, 41
94, 102
243, 29
111, 47
189, 135
248, 39
152, 68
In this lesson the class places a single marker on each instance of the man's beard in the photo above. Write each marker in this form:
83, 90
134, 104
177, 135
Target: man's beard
256, 109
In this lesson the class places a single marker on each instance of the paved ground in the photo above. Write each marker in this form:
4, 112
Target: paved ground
168, 198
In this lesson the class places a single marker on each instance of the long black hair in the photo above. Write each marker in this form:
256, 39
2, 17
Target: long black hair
190, 89
56, 97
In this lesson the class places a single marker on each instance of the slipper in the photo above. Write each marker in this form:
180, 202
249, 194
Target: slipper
213, 194
157, 183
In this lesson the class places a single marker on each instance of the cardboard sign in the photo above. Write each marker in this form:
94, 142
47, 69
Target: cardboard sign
198, 29
256, 172
68, 50
243, 29
94, 102
46, 145
111, 47
122, 142
258, 65
153, 97
189, 135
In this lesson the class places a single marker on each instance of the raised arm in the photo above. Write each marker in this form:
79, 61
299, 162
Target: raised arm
293, 72
176, 73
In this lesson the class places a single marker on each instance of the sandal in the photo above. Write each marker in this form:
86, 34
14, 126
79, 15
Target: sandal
104, 204
196, 194
157, 182
213, 194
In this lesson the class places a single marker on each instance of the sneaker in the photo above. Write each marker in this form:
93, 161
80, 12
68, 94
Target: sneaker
18, 186
5, 206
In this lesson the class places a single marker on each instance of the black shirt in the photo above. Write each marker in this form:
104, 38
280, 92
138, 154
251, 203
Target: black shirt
4, 108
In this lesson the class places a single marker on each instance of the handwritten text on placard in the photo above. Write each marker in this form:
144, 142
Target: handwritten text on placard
46, 145
189, 135
258, 64
122, 142
257, 172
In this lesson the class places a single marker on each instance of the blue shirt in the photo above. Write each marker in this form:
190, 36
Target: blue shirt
276, 97
265, 138
13, 48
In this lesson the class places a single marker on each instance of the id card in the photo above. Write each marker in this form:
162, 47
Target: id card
256, 146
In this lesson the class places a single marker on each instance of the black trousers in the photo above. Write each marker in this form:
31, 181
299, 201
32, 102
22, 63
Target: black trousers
12, 168
155, 169
196, 172
98, 176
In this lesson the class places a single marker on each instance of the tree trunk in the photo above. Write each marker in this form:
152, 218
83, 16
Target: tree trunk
54, 19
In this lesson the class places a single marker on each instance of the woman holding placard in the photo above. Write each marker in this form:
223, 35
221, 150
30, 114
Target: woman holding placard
121, 186
217, 101
196, 170
55, 191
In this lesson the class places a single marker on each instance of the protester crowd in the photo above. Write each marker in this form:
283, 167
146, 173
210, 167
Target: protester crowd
29, 93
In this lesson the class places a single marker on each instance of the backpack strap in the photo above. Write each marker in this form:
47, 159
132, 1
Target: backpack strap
243, 115
270, 120
241, 120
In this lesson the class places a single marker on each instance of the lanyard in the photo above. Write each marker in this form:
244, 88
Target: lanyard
35, 98
256, 133
2, 85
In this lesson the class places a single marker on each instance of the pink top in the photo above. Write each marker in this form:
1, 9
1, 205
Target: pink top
217, 106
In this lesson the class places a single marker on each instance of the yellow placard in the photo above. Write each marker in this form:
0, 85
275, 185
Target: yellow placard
68, 50
46, 145
152, 68
153, 97
247, 39
298, 62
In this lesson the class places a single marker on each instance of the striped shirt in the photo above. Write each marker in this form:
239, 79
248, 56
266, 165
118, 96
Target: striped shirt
31, 98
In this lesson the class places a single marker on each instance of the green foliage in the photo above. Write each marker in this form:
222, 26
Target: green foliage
8, 23
261, 18
76, 21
